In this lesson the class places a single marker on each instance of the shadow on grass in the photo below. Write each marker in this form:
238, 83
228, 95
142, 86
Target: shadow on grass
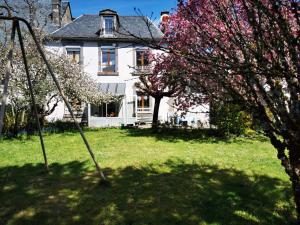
160, 134
197, 135
170, 193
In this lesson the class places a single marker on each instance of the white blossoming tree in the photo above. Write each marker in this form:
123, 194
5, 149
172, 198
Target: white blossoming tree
76, 84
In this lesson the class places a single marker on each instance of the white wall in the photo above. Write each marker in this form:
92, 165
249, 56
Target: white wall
90, 58
126, 62
58, 113
56, 48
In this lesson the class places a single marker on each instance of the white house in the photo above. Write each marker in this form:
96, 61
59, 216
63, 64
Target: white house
102, 45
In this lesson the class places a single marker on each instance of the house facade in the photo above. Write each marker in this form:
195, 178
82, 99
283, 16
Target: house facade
105, 45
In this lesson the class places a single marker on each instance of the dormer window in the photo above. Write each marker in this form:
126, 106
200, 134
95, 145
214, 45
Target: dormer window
108, 25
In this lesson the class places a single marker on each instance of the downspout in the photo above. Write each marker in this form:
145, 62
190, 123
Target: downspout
88, 114
125, 113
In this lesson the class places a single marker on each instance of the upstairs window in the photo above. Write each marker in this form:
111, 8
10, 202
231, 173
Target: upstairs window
108, 60
109, 22
142, 59
108, 25
74, 55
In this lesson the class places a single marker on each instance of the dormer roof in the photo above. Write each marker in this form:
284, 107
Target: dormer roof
107, 12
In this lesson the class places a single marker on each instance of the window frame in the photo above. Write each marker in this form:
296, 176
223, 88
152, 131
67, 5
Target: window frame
104, 109
102, 65
143, 68
74, 49
105, 29
143, 109
143, 58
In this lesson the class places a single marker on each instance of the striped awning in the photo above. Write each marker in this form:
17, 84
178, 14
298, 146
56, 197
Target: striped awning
113, 88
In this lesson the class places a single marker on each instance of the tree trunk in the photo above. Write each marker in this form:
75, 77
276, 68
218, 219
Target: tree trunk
30, 126
22, 117
155, 112
16, 124
294, 155
291, 164
296, 192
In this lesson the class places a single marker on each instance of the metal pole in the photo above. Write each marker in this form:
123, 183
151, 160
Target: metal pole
102, 176
60, 91
7, 75
32, 94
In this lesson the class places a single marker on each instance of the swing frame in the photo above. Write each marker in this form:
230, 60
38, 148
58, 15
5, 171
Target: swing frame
16, 29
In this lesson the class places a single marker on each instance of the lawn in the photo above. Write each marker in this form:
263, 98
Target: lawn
163, 178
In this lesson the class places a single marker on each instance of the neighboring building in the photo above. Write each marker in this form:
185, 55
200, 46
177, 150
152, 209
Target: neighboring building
49, 15
61, 13
102, 44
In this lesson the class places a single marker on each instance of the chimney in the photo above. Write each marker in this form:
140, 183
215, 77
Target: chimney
164, 16
56, 12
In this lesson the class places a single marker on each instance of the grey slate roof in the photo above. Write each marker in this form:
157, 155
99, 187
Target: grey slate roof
88, 26
113, 88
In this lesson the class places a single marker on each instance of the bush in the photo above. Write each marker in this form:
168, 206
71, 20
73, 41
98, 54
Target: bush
9, 121
60, 126
14, 122
229, 118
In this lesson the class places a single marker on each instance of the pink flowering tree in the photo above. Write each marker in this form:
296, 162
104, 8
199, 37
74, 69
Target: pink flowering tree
163, 80
246, 51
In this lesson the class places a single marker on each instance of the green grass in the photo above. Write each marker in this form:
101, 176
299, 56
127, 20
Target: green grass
169, 177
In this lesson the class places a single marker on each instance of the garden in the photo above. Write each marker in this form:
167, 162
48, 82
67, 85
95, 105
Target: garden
239, 60
162, 177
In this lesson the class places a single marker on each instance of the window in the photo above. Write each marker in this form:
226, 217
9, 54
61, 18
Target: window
108, 25
142, 59
108, 60
143, 102
106, 110
74, 55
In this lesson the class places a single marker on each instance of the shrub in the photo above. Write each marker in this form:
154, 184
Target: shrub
14, 122
230, 118
60, 126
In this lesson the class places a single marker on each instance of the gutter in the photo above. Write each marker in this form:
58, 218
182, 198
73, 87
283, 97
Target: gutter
61, 38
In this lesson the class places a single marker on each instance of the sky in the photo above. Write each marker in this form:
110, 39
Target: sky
123, 7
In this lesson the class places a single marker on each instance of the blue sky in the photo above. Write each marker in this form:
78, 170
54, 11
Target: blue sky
123, 7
